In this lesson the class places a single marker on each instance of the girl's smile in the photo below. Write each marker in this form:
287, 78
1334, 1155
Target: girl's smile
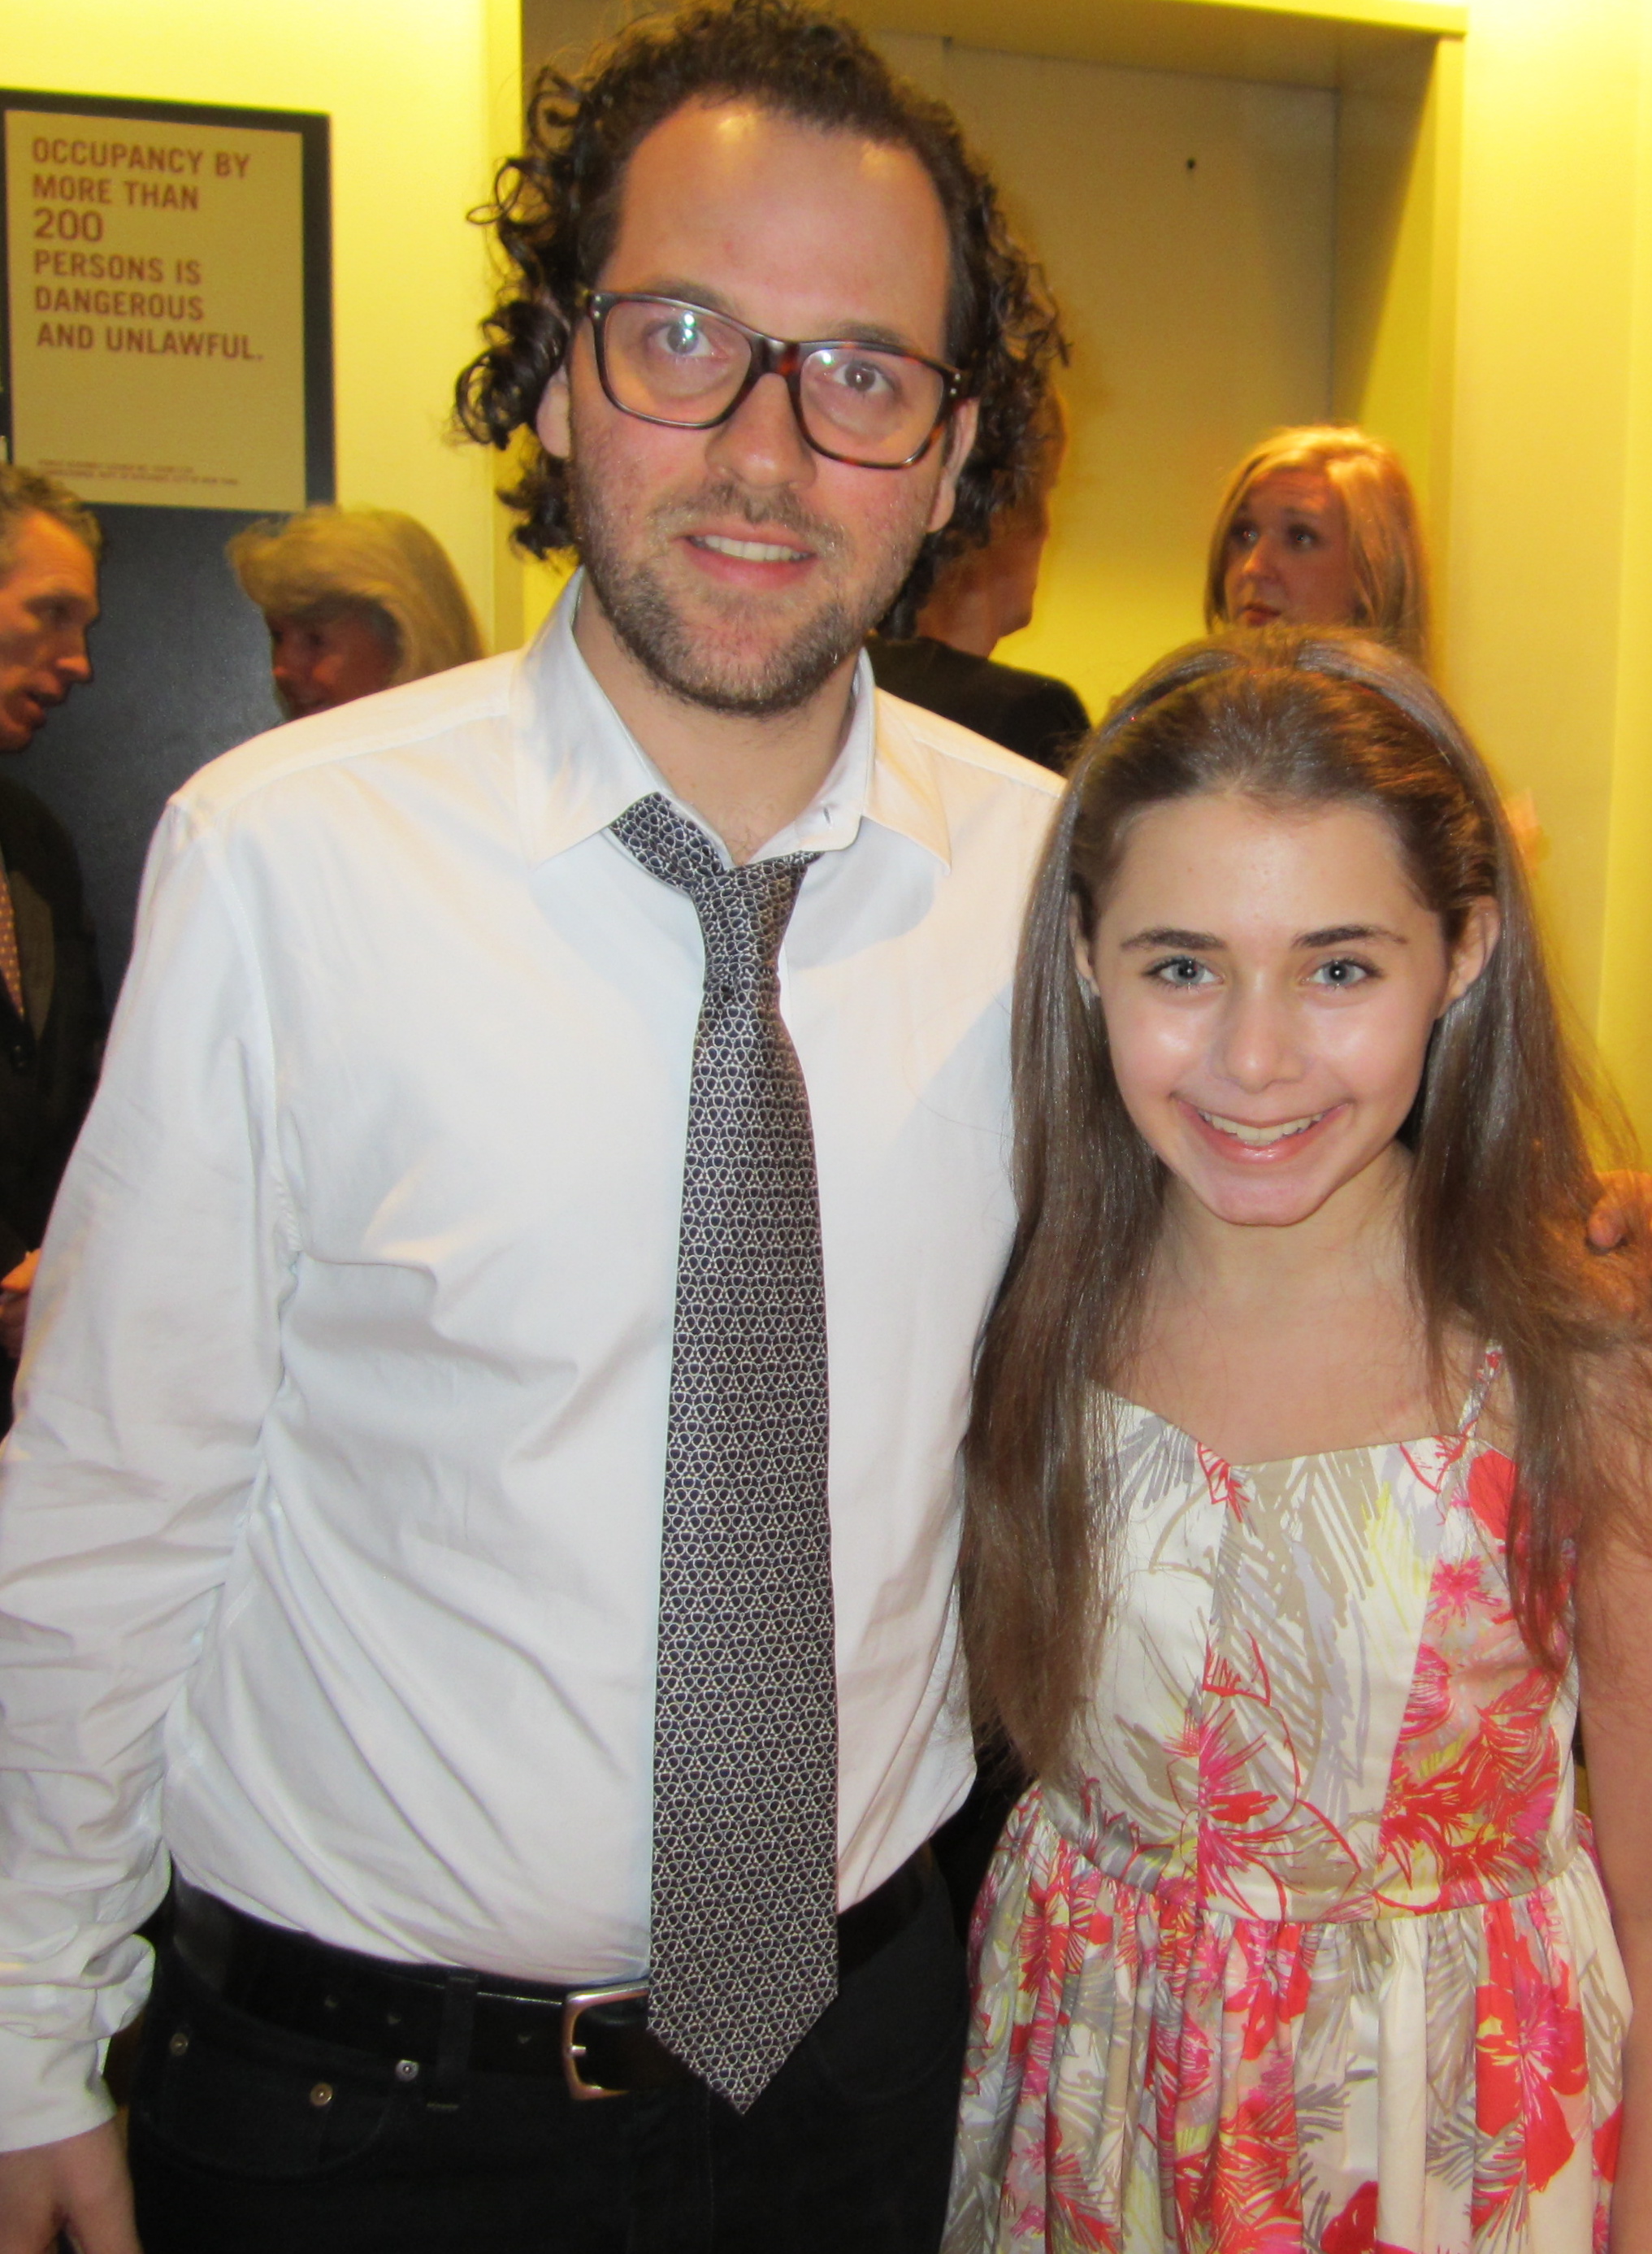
1260, 1145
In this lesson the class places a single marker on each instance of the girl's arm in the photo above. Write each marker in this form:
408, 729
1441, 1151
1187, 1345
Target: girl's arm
1615, 1650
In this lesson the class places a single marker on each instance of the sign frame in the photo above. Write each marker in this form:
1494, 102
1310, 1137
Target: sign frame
314, 129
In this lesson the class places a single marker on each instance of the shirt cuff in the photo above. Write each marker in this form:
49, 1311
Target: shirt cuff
49, 2089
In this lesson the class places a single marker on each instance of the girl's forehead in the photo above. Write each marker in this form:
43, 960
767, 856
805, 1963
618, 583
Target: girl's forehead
1213, 815
1242, 854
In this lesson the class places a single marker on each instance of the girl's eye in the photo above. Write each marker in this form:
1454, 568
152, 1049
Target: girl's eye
1343, 970
1182, 970
1303, 535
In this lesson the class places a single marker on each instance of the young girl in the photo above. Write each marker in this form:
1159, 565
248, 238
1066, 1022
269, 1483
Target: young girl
1308, 1459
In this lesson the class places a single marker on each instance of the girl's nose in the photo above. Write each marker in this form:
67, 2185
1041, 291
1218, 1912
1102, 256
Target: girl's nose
1257, 1047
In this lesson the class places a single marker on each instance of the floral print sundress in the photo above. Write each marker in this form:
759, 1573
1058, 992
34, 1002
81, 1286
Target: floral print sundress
1316, 1954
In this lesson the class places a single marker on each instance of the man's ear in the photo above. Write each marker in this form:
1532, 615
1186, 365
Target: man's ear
1477, 943
955, 451
554, 418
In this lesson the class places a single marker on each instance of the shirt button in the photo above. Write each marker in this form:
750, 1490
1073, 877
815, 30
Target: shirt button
179, 2043
322, 2094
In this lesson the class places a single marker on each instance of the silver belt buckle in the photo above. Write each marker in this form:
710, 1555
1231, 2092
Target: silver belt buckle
574, 2004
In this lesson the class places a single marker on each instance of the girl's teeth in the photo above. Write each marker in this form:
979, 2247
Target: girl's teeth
1260, 1137
748, 551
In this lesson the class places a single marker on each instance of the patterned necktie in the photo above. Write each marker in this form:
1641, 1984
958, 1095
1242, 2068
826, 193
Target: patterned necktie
743, 1957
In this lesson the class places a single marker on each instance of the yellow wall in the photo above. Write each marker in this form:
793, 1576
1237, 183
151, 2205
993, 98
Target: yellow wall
1549, 562
1625, 983
1187, 224
1399, 120
420, 94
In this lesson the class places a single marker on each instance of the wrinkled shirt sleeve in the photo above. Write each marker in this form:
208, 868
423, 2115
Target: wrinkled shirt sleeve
153, 1355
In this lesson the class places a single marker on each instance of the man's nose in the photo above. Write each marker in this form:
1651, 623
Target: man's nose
761, 442
74, 661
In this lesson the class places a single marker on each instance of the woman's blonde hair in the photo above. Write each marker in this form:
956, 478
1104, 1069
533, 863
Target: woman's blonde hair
1384, 532
327, 560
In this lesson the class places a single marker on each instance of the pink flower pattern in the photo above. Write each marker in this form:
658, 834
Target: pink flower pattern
1312, 1956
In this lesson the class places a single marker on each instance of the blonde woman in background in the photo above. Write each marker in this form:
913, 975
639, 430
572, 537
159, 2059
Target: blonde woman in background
1319, 526
356, 600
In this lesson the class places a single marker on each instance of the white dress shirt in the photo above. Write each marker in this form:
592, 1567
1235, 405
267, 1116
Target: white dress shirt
330, 1528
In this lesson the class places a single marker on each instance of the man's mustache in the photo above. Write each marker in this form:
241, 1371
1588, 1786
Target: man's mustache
779, 512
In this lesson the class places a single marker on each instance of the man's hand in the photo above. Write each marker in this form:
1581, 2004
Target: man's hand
1621, 1216
79, 2185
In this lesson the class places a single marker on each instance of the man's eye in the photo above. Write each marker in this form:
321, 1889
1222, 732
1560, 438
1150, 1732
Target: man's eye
863, 376
679, 339
1181, 970
684, 337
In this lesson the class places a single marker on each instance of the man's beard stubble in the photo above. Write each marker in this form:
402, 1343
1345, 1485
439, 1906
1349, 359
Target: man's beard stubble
639, 608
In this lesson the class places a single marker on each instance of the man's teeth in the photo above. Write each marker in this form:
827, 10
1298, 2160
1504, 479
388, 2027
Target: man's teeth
1260, 1137
750, 552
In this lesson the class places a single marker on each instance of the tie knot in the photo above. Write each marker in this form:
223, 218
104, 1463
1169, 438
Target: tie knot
744, 913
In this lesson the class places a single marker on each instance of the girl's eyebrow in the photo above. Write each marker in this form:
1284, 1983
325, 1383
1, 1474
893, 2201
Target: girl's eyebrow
1339, 934
1167, 935
1335, 935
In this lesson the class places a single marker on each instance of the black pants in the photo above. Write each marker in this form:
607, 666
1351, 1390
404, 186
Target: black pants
247, 2141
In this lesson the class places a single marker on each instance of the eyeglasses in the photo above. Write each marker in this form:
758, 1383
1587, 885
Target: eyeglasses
667, 361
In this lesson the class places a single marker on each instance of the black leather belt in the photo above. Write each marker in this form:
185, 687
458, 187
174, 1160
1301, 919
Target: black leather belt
433, 2024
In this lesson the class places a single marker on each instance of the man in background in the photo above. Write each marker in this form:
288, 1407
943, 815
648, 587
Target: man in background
51, 1003
981, 595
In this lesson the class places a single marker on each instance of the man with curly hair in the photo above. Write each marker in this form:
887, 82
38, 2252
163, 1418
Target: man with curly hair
483, 1511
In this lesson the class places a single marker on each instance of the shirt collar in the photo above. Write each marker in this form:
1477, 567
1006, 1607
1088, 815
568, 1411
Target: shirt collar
579, 767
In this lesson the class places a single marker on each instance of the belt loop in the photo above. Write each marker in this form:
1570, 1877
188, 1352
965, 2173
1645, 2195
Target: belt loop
453, 2052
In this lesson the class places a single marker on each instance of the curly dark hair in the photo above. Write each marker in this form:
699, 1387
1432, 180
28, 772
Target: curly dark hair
556, 210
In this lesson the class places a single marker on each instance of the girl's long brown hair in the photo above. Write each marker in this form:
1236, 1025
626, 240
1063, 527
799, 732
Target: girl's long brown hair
1500, 1187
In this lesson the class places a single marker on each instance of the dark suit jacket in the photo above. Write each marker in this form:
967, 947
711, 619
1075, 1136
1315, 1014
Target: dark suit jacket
49, 1057
1031, 713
